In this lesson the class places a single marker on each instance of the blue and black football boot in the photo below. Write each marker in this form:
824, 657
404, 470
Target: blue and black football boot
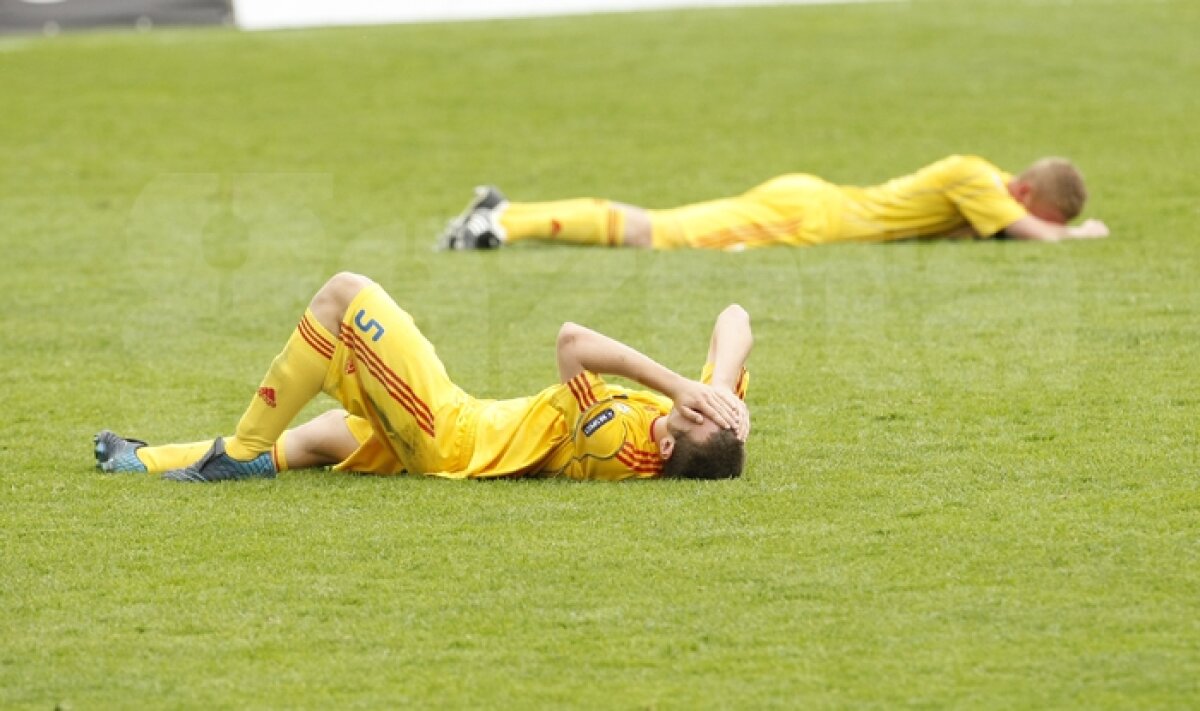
216, 465
116, 454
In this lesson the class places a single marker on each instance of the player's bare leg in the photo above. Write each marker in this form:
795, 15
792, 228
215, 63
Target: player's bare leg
638, 230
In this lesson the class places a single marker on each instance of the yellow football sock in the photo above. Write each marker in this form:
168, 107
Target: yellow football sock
580, 221
281, 463
166, 457
294, 378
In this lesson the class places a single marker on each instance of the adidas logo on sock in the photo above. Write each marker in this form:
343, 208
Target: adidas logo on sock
267, 395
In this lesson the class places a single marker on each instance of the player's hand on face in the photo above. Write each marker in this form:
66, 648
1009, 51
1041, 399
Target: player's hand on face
697, 402
742, 427
741, 423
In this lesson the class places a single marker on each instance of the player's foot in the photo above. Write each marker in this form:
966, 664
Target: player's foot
478, 227
116, 454
216, 465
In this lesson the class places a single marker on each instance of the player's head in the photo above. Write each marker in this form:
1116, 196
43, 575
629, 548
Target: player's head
1052, 189
700, 451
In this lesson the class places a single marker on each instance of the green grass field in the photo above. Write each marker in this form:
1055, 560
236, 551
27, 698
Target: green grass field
973, 477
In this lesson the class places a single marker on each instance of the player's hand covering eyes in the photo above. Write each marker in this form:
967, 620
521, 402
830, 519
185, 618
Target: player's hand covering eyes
697, 401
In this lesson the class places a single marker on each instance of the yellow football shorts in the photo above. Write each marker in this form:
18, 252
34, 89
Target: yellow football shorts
385, 371
791, 209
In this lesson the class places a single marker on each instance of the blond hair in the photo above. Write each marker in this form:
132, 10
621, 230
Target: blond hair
1057, 182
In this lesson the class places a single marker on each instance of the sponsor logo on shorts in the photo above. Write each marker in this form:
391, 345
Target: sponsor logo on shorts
350, 367
590, 427
267, 395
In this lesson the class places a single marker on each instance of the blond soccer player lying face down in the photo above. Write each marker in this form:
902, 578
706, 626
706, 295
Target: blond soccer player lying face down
956, 197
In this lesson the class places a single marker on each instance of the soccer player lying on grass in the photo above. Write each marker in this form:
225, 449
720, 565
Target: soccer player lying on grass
959, 196
403, 414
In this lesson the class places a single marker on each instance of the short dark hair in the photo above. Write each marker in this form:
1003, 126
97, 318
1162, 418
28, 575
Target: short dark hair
721, 456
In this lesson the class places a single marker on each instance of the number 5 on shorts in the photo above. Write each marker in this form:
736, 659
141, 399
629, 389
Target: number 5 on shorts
367, 327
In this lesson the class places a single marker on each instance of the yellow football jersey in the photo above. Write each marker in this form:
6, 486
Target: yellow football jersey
610, 432
612, 436
959, 196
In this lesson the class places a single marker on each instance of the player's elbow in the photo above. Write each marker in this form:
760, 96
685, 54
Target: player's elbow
737, 313
567, 350
737, 317
568, 334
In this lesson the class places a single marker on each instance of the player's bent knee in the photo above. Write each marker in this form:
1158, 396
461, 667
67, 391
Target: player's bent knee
347, 284
332, 300
331, 416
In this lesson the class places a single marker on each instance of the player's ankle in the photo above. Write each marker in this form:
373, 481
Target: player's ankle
236, 449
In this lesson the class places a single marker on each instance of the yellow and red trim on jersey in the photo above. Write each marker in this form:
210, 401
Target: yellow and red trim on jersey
640, 461
581, 389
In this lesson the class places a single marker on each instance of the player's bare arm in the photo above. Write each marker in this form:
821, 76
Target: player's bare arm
1033, 228
580, 348
730, 346
728, 350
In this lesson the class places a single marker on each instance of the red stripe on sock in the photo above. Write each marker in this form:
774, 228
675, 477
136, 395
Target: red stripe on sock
309, 328
314, 339
315, 346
